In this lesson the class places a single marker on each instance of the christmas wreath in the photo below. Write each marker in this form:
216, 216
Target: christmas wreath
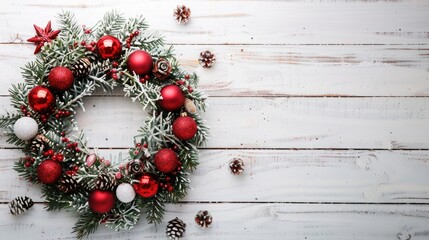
70, 64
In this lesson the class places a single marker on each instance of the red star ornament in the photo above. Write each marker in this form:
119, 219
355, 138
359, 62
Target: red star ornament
43, 35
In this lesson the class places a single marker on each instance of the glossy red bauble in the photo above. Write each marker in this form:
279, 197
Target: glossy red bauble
41, 99
166, 160
184, 128
172, 98
140, 62
60, 78
100, 201
147, 186
49, 171
109, 47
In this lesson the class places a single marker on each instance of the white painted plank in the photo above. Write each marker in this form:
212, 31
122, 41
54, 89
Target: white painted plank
380, 123
251, 22
243, 70
282, 176
245, 221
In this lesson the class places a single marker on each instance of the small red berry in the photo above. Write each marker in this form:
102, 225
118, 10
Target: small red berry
83, 43
187, 76
60, 157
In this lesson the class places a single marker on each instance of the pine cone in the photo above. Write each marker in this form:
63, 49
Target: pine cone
20, 205
207, 59
39, 143
67, 184
135, 167
182, 14
81, 68
162, 69
203, 219
106, 181
236, 166
175, 229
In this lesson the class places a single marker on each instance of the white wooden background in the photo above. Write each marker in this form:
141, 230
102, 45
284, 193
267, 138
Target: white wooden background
327, 102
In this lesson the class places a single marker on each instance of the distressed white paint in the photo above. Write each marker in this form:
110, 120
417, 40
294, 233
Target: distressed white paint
250, 22
248, 122
245, 221
283, 176
272, 70
304, 49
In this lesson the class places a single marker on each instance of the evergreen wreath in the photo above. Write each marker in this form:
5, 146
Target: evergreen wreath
70, 64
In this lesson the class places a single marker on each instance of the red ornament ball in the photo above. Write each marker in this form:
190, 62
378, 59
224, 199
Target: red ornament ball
166, 160
147, 186
49, 171
184, 128
109, 47
172, 98
60, 78
140, 62
100, 201
41, 99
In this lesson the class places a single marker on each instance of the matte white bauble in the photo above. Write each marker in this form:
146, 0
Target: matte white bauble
25, 128
125, 192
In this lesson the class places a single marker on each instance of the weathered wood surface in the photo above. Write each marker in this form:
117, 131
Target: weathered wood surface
283, 176
272, 70
246, 221
250, 22
280, 67
248, 122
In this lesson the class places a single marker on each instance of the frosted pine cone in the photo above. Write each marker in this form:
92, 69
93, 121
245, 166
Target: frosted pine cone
20, 205
175, 229
207, 59
67, 184
81, 68
203, 219
236, 166
182, 14
106, 181
135, 167
162, 69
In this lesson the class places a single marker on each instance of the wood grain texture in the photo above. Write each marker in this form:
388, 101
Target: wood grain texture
282, 176
318, 166
271, 70
250, 22
246, 221
244, 122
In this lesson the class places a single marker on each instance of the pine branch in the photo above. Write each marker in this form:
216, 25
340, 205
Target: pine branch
181, 186
131, 26
88, 222
18, 94
202, 130
146, 93
124, 216
34, 72
9, 118
112, 24
70, 28
155, 209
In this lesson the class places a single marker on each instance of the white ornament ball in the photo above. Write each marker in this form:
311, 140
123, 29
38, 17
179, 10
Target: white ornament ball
125, 192
25, 128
